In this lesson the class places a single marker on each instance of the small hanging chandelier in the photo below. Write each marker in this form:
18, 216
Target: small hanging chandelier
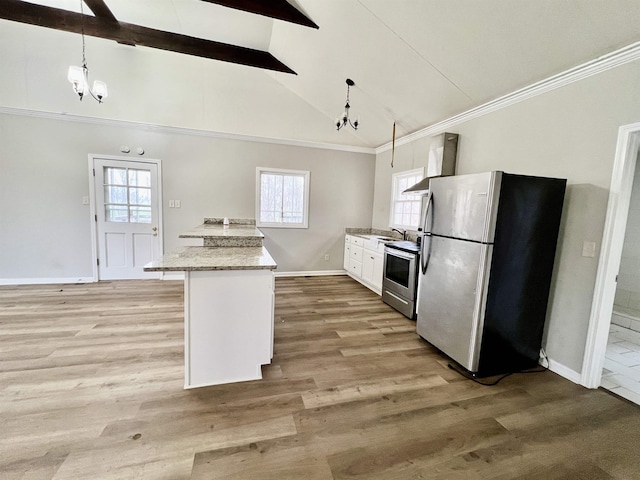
79, 76
344, 118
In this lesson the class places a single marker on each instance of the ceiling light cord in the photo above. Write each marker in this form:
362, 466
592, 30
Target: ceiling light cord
84, 58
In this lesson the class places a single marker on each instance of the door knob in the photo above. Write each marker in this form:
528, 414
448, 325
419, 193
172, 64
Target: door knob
155, 229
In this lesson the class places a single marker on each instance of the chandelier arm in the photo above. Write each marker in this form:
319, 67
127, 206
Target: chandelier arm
94, 96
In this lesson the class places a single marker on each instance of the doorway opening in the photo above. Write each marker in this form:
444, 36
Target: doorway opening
621, 374
126, 216
626, 158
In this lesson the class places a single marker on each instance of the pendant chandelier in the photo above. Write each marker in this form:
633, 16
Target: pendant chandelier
344, 119
79, 76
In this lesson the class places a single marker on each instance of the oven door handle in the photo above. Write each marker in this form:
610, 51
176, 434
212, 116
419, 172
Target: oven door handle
399, 253
425, 253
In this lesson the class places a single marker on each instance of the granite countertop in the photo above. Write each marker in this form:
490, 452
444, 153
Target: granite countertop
368, 232
234, 235
218, 230
220, 258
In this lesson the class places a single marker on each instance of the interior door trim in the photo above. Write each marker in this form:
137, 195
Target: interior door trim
92, 157
623, 171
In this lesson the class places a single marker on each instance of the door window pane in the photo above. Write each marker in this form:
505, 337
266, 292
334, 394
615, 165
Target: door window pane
139, 178
117, 195
114, 213
127, 195
140, 196
115, 176
140, 214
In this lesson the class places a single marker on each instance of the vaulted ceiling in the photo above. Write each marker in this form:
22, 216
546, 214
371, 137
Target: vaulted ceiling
415, 62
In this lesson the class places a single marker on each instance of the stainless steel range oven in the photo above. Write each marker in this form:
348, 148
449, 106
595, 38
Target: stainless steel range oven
400, 280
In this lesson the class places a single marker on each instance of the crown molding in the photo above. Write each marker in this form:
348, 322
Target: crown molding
180, 130
622, 56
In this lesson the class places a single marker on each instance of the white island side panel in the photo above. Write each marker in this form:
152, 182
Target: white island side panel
228, 325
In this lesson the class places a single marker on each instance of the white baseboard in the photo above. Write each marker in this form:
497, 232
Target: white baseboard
44, 281
565, 372
316, 273
166, 276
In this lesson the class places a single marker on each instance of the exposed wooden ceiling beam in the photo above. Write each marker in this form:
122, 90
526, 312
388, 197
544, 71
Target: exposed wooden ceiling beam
100, 9
280, 9
29, 13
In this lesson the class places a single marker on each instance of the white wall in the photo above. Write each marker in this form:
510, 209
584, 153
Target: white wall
570, 133
45, 231
155, 86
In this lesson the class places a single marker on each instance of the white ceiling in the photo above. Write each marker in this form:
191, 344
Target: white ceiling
415, 62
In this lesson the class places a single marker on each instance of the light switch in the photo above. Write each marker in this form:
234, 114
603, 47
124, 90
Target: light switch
85, 200
172, 203
177, 203
588, 249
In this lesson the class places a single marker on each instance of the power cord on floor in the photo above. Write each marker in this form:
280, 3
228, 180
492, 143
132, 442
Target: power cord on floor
469, 376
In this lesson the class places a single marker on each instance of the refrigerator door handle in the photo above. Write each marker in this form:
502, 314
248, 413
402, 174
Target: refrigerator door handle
424, 255
427, 228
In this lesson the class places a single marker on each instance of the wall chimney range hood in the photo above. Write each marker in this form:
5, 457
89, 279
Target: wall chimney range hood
421, 187
443, 153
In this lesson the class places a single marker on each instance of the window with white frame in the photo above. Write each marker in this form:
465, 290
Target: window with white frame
405, 207
282, 198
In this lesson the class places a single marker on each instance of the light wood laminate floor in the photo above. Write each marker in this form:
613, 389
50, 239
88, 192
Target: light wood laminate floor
91, 381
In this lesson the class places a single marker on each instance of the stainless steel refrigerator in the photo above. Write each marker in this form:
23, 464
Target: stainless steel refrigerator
487, 258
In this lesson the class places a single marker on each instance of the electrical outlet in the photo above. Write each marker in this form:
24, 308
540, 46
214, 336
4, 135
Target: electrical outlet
326, 257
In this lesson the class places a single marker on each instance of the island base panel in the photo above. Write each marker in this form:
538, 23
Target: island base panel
228, 325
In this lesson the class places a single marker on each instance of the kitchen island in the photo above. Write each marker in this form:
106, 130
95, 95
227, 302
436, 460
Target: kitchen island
228, 302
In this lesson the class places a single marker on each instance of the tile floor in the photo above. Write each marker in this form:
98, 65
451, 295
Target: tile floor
621, 373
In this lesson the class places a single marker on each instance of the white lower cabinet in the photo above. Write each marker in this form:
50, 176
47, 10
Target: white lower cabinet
347, 253
364, 261
355, 268
372, 265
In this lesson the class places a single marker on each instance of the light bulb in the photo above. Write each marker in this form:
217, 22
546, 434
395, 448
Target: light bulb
100, 90
77, 78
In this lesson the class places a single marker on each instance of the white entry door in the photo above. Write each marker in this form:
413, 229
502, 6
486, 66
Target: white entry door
127, 217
